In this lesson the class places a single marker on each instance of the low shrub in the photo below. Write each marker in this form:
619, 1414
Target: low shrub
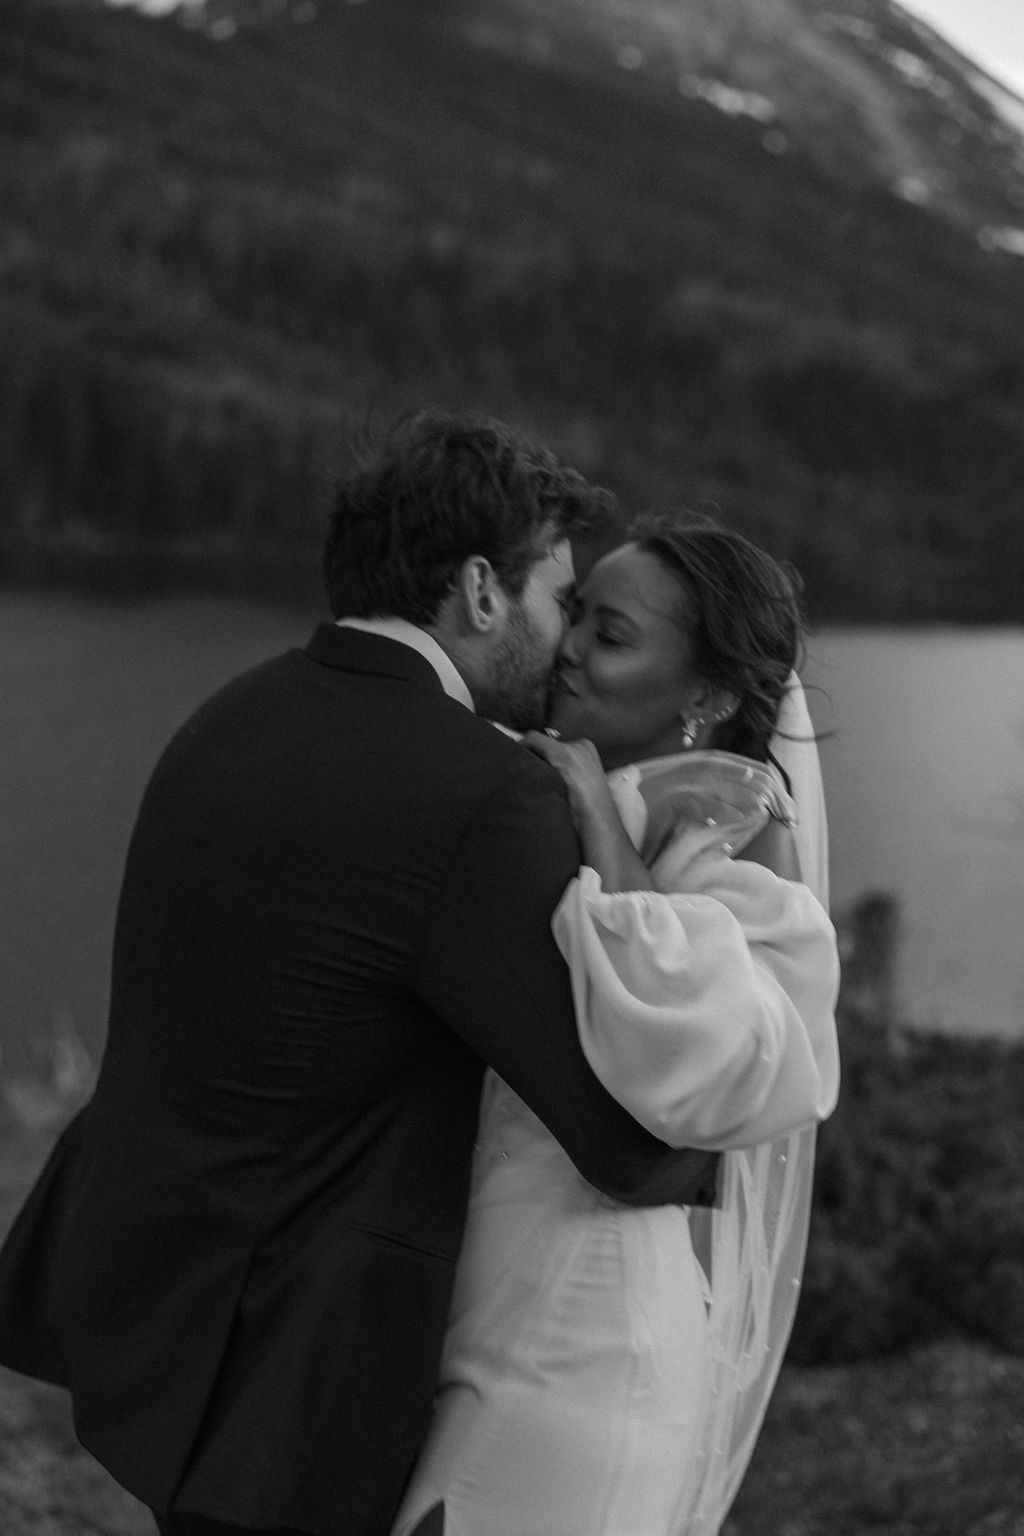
918, 1222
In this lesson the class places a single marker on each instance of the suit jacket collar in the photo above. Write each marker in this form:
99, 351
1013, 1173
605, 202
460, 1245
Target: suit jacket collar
353, 650
452, 680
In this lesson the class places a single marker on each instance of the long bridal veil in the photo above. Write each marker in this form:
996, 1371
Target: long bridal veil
759, 1228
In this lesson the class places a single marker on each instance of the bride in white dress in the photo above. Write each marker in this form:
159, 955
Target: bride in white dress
607, 1369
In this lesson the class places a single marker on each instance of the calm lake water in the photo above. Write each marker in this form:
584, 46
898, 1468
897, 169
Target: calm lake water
925, 784
925, 777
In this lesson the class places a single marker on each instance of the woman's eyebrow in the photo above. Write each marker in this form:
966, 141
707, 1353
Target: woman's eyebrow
606, 612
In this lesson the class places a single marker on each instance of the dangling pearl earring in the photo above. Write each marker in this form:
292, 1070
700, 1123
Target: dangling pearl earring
691, 725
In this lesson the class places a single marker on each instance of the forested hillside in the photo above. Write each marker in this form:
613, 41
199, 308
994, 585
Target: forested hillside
222, 244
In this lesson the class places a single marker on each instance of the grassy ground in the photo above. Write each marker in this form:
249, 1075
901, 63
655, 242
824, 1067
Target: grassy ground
926, 1444
930, 1443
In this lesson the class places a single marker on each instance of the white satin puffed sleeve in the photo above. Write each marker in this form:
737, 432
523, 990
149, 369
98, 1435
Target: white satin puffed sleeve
708, 1014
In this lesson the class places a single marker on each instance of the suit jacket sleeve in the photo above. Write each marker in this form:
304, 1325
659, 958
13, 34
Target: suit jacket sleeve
490, 968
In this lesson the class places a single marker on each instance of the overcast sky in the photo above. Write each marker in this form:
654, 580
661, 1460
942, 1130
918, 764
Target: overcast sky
990, 31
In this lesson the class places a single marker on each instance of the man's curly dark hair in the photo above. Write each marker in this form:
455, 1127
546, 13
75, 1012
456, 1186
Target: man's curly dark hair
436, 490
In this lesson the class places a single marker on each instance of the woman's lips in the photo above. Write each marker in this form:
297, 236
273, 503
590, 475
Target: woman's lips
561, 684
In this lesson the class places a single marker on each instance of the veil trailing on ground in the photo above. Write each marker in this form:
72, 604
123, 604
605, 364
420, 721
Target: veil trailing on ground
758, 1236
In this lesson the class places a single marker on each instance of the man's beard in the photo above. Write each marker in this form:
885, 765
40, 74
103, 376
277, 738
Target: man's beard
520, 675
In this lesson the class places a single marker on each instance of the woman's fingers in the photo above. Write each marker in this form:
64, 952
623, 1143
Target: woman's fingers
575, 758
542, 744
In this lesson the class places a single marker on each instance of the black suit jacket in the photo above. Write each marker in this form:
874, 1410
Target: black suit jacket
239, 1258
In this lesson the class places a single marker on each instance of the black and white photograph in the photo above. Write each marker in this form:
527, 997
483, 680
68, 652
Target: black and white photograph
511, 767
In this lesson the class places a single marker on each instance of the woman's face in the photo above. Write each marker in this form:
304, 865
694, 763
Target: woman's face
625, 673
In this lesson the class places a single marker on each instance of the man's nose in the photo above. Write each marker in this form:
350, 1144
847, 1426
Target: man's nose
568, 655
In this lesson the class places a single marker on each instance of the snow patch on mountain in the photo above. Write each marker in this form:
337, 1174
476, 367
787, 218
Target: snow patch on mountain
1009, 106
728, 99
1007, 239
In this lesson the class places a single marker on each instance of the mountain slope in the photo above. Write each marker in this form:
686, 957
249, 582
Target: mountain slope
664, 236
866, 88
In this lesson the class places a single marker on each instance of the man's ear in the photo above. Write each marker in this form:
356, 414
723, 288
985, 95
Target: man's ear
482, 601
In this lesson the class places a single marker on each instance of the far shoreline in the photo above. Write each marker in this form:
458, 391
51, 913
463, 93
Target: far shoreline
286, 573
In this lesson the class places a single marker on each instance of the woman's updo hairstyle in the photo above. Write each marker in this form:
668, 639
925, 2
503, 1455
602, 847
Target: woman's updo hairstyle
747, 629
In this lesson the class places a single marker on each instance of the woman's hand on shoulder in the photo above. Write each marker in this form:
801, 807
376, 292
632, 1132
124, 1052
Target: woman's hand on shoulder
581, 769
605, 841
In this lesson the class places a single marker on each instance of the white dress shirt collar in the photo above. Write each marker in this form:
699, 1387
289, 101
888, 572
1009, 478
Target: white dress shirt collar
450, 677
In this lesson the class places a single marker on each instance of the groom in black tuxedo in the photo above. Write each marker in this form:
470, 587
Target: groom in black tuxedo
335, 911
